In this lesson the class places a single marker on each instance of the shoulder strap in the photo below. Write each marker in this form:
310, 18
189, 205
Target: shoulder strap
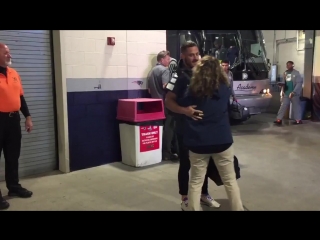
173, 66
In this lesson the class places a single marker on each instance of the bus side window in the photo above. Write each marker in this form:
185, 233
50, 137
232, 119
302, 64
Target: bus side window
173, 45
188, 35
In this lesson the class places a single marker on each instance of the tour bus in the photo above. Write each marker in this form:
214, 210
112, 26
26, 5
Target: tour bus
245, 51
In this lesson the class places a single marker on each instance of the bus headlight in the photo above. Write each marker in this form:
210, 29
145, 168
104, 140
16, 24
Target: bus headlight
265, 91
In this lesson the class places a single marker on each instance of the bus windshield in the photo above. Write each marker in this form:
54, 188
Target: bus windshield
253, 48
222, 44
244, 49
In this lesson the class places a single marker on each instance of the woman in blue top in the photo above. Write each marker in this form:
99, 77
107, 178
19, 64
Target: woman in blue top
211, 135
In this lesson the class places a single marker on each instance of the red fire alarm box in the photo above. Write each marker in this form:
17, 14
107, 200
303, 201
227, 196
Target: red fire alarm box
111, 41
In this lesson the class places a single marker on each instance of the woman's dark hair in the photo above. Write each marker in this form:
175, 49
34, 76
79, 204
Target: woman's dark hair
207, 76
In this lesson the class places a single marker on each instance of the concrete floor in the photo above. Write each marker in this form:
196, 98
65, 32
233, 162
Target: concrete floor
272, 159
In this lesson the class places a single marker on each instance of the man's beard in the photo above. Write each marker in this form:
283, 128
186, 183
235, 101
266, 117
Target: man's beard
9, 63
190, 64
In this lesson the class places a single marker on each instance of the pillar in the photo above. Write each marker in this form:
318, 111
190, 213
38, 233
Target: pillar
308, 63
316, 78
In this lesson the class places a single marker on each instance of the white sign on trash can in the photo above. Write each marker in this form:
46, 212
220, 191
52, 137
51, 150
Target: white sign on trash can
149, 138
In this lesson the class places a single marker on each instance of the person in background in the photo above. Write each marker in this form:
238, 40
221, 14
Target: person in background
11, 102
225, 66
216, 49
176, 89
210, 135
232, 54
159, 76
290, 92
157, 80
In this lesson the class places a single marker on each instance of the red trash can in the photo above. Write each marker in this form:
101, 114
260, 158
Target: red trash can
141, 126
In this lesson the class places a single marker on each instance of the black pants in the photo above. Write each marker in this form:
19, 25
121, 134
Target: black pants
168, 138
174, 144
184, 168
10, 143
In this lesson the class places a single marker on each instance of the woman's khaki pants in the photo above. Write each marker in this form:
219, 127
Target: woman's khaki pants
225, 166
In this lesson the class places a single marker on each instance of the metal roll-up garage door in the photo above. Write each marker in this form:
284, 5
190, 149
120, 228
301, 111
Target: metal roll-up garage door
32, 58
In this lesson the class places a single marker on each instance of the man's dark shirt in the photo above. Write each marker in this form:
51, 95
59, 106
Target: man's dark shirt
3, 71
178, 84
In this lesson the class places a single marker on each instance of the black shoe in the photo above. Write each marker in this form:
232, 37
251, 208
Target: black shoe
297, 122
173, 157
3, 203
20, 192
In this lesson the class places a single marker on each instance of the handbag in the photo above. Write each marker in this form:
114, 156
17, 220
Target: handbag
213, 173
238, 111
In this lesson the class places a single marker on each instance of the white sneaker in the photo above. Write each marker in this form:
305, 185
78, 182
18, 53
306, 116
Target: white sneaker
184, 204
209, 201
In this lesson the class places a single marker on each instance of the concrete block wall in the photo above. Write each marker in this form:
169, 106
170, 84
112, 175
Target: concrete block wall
97, 75
287, 51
